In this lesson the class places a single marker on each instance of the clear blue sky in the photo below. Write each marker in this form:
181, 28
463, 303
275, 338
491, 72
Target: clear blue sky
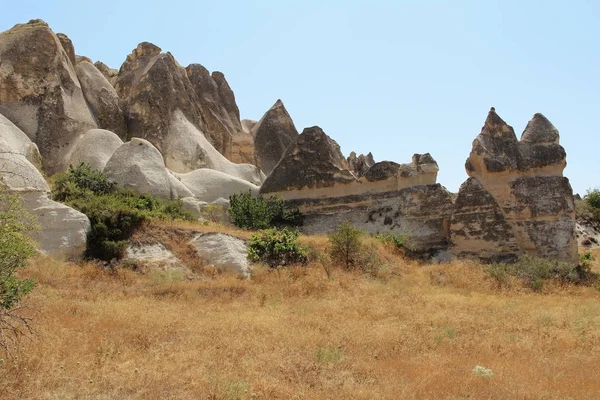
391, 77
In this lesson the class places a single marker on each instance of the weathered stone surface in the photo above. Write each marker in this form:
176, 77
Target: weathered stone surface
220, 114
102, 99
273, 135
314, 167
361, 164
478, 227
67, 45
390, 197
13, 140
40, 92
422, 212
80, 59
226, 253
63, 230
154, 256
163, 107
139, 166
524, 178
109, 73
209, 185
95, 148
313, 162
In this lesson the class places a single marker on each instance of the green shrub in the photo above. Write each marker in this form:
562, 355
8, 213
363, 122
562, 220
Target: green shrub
593, 198
256, 212
114, 213
345, 246
535, 271
78, 180
399, 241
276, 247
16, 248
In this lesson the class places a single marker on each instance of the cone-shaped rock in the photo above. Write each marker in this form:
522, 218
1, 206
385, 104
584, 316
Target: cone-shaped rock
313, 161
273, 134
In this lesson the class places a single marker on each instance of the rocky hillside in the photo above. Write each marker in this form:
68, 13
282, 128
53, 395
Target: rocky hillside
175, 132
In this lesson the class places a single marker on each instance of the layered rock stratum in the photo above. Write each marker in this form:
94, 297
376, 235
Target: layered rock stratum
175, 132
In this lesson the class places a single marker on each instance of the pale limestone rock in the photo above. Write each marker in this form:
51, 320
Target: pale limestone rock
95, 148
209, 185
226, 253
139, 166
63, 230
102, 99
40, 92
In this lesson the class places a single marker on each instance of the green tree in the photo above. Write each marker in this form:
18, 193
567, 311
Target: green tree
257, 212
345, 246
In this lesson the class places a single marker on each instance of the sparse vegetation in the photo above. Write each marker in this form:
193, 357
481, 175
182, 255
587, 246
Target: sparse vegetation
345, 246
16, 248
276, 248
534, 272
114, 213
257, 212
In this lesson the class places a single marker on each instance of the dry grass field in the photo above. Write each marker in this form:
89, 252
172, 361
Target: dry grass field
411, 331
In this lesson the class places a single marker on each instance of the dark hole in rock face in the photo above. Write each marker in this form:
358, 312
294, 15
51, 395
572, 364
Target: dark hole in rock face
387, 221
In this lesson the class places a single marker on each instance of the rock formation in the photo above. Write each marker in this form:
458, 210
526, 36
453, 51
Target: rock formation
361, 164
163, 106
109, 73
273, 134
40, 92
209, 185
95, 148
518, 184
226, 253
390, 197
63, 230
102, 99
139, 166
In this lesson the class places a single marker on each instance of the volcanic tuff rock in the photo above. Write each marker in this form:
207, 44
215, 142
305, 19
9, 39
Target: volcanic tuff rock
209, 185
109, 73
390, 197
40, 92
139, 166
226, 253
102, 99
63, 230
219, 111
95, 148
361, 164
163, 107
524, 178
273, 135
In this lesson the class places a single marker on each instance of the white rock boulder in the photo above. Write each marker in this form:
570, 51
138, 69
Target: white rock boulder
139, 166
95, 148
226, 253
209, 185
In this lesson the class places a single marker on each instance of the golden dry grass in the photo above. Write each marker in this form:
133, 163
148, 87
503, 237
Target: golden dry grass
412, 331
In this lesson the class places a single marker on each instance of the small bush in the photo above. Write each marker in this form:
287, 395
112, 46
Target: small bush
399, 241
535, 271
256, 212
345, 246
276, 248
78, 180
593, 198
16, 248
114, 213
